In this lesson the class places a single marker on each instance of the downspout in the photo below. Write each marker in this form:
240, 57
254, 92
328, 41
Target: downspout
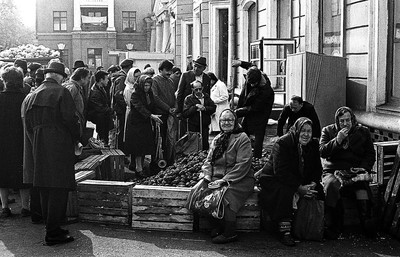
233, 46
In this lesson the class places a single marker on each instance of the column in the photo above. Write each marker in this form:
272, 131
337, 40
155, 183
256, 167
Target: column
153, 38
166, 32
77, 15
159, 36
111, 26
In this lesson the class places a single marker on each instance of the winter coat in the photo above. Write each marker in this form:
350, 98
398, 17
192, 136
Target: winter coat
11, 138
190, 110
117, 93
50, 129
185, 89
219, 95
164, 89
99, 112
234, 167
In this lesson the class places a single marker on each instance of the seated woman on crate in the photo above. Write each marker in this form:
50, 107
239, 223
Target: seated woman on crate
229, 162
348, 156
293, 171
139, 133
198, 108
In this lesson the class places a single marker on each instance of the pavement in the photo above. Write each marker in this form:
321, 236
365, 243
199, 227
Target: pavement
18, 237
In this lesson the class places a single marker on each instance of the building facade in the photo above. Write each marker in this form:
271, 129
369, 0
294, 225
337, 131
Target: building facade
89, 29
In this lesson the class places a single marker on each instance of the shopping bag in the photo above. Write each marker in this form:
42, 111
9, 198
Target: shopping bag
207, 201
309, 219
189, 143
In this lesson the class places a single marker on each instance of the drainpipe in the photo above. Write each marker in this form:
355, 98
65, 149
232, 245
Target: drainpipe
233, 46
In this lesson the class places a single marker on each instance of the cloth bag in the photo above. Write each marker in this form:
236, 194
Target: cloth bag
207, 201
309, 219
189, 143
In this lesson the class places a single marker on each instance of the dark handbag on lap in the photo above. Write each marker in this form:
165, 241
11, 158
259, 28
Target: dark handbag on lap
207, 201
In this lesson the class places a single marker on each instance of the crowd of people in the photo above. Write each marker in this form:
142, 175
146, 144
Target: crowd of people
55, 107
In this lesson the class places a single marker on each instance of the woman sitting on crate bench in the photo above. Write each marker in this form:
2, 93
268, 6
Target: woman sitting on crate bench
139, 133
229, 163
198, 108
348, 156
291, 175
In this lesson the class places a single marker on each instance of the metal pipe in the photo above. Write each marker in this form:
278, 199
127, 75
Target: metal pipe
233, 46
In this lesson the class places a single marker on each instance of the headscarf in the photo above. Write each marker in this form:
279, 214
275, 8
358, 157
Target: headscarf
339, 112
139, 87
130, 84
222, 142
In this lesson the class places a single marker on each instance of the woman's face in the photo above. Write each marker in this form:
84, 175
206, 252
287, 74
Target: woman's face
147, 86
305, 134
227, 121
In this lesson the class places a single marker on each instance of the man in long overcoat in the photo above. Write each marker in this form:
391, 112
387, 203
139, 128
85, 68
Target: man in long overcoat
51, 129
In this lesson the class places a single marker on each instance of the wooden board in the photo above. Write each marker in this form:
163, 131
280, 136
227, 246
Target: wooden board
72, 205
116, 163
385, 153
160, 208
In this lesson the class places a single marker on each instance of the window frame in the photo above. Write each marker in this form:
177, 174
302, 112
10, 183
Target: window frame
60, 18
96, 52
129, 29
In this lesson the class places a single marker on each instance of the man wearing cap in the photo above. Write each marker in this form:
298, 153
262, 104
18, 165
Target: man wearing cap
32, 68
112, 71
50, 129
23, 65
184, 86
189, 62
117, 97
255, 105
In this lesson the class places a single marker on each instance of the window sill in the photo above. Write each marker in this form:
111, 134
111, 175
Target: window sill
393, 107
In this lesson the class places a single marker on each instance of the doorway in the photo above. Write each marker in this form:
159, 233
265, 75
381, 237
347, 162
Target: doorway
223, 44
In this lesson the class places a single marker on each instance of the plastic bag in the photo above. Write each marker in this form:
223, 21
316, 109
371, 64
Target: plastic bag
309, 219
189, 143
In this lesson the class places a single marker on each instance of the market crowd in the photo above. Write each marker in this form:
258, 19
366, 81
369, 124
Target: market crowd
45, 110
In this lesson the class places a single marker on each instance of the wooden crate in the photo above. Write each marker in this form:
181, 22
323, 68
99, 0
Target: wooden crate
161, 208
385, 153
96, 163
107, 202
72, 206
116, 162
248, 217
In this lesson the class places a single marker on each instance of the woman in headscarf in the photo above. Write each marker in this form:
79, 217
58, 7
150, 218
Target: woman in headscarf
229, 162
139, 133
346, 147
293, 170
131, 79
12, 141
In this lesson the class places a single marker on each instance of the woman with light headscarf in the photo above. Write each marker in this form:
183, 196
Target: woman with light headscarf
131, 79
293, 170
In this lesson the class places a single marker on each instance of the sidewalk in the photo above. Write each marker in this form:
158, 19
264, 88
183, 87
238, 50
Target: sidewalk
18, 237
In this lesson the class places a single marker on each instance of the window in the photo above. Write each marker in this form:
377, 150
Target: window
190, 39
94, 19
299, 24
60, 21
94, 56
331, 44
128, 21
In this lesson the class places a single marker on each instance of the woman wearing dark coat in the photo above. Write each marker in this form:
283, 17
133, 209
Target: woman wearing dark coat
139, 132
293, 168
12, 141
194, 104
229, 162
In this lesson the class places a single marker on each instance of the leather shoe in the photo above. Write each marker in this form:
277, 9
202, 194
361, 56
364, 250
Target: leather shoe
60, 239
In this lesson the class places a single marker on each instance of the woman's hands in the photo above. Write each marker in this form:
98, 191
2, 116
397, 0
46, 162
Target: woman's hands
307, 191
156, 118
217, 183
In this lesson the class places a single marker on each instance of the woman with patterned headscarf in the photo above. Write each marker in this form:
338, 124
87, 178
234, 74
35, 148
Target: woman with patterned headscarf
346, 147
229, 162
139, 133
293, 170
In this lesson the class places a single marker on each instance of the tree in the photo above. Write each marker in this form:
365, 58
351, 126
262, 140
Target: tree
12, 31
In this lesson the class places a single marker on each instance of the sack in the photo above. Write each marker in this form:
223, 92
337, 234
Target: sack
309, 219
189, 143
207, 201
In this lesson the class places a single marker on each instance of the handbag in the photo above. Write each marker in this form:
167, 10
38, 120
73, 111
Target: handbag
207, 201
309, 219
190, 142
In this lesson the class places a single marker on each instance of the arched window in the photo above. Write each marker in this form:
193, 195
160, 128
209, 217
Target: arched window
252, 21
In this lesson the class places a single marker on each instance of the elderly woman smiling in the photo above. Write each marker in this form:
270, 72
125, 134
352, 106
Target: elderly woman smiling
293, 168
229, 162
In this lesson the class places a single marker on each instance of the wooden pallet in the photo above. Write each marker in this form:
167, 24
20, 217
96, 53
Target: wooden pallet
385, 153
161, 208
116, 162
72, 206
248, 218
96, 163
106, 202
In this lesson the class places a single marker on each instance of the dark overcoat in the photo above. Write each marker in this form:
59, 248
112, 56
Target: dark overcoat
11, 138
99, 111
190, 110
51, 129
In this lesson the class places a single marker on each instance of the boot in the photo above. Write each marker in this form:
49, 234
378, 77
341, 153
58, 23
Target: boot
367, 222
217, 227
284, 230
229, 234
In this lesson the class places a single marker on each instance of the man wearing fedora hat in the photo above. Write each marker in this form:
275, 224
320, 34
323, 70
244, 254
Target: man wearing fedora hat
50, 129
184, 86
